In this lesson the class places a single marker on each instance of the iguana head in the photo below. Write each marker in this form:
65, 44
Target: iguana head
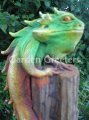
59, 26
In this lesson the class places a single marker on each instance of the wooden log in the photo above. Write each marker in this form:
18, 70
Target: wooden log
56, 97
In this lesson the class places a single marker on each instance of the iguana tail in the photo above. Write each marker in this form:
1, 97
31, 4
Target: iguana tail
18, 84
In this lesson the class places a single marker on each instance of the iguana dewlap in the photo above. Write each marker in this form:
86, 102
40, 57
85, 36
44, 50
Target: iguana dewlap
54, 34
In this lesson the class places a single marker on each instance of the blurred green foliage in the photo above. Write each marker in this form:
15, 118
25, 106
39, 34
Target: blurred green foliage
12, 15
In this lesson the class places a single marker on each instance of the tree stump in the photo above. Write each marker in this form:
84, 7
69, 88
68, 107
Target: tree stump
56, 97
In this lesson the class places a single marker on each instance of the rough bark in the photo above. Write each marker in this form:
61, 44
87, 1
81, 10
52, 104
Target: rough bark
55, 97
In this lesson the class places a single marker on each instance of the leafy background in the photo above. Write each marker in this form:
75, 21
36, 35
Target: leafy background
12, 15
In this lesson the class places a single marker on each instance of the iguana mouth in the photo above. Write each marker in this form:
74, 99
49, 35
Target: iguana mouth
49, 32
73, 30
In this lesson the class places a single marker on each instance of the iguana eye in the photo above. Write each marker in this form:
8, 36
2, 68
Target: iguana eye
67, 18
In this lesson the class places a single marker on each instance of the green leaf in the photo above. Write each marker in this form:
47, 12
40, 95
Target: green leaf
18, 4
47, 3
37, 2
3, 27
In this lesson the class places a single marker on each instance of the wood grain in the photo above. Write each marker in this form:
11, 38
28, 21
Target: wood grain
55, 97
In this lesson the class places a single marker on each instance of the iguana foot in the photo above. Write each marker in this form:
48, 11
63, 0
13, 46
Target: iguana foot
62, 66
59, 65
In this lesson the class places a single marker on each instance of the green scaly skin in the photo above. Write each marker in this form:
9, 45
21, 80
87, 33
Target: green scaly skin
54, 34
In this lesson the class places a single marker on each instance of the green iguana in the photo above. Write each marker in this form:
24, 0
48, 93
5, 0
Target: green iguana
54, 34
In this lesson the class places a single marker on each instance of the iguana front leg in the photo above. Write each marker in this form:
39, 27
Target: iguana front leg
28, 61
